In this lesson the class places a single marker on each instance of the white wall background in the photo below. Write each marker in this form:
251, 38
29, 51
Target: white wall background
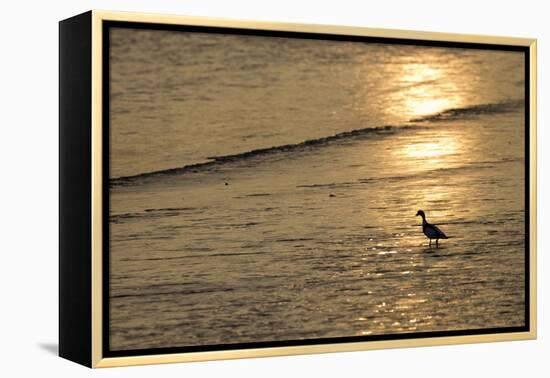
28, 190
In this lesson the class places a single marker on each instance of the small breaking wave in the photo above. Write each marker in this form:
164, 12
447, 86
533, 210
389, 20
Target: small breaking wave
369, 132
217, 161
472, 111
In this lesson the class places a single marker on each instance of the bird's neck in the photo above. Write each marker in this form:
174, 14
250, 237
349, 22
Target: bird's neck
424, 220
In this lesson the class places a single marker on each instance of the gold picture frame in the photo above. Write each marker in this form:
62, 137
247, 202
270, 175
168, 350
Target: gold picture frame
82, 183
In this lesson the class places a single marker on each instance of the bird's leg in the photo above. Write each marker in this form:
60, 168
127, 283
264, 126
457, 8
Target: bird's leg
437, 242
430, 243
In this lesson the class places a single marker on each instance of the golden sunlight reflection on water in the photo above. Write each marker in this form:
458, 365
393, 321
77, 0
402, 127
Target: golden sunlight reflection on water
428, 88
430, 152
321, 239
436, 149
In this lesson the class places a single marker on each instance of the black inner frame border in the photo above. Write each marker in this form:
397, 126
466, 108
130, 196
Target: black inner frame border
106, 25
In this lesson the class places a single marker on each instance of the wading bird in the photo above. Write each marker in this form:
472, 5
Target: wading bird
431, 231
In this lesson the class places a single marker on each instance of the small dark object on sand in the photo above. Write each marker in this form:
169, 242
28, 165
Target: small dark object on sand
332, 195
226, 184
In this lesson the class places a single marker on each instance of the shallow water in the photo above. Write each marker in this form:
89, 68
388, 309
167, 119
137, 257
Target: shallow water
178, 98
316, 239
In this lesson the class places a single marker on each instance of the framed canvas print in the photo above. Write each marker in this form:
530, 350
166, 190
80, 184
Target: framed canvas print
235, 189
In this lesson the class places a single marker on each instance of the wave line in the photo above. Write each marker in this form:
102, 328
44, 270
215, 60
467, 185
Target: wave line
215, 161
472, 111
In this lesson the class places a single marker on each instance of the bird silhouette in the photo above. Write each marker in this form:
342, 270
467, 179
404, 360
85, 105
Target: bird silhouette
430, 230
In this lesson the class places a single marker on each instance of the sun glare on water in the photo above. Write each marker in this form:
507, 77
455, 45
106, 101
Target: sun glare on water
420, 154
424, 150
419, 107
427, 90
